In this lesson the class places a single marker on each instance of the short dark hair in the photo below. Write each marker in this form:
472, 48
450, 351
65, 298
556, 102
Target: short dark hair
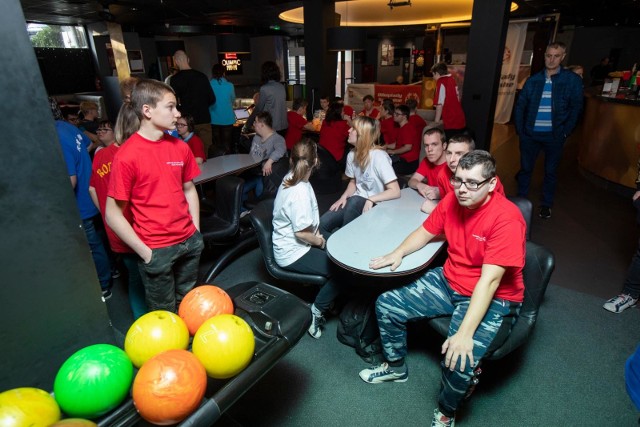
431, 131
217, 71
265, 118
299, 102
404, 110
334, 112
463, 139
412, 104
270, 71
440, 68
188, 118
557, 45
367, 98
479, 157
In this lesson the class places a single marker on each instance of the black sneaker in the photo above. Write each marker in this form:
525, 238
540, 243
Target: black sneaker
106, 294
115, 273
545, 212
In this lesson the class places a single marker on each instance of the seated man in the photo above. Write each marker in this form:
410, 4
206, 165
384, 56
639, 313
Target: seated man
480, 285
368, 110
405, 151
457, 147
414, 118
298, 123
426, 176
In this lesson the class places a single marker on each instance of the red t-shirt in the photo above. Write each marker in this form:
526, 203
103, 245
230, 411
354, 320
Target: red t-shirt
348, 110
296, 126
100, 176
197, 147
419, 123
333, 137
407, 135
150, 176
492, 234
445, 186
431, 171
389, 130
452, 113
374, 114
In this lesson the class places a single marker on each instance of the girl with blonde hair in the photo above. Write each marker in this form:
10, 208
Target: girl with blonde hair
371, 177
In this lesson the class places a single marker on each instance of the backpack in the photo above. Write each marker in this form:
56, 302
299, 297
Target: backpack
358, 327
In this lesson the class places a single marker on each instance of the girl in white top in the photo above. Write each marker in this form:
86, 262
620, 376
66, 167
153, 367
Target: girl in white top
372, 179
297, 244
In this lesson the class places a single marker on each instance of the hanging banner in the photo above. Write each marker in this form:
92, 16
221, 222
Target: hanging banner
513, 47
398, 93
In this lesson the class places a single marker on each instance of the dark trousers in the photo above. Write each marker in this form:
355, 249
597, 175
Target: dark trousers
317, 262
529, 150
632, 281
402, 167
171, 273
331, 220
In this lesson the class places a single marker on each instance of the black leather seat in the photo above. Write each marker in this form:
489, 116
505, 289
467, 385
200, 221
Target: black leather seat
222, 228
539, 264
327, 179
526, 207
261, 218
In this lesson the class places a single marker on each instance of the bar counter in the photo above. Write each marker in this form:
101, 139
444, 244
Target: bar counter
610, 145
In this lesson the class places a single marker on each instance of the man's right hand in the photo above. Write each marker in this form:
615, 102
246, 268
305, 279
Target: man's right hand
393, 259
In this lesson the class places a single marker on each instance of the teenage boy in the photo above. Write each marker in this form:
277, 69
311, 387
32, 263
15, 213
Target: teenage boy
480, 285
425, 177
298, 122
152, 173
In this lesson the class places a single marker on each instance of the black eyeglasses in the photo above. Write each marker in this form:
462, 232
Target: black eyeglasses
471, 185
103, 130
398, 114
180, 125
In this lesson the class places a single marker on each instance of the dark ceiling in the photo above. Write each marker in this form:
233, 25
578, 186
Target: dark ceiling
260, 17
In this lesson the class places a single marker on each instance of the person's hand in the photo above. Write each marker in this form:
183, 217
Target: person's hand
323, 242
146, 257
266, 168
456, 348
432, 193
422, 189
342, 201
393, 259
367, 205
636, 195
428, 206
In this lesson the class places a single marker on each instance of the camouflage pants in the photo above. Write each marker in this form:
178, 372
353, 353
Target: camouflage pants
431, 296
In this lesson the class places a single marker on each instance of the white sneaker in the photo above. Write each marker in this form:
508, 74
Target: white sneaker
383, 373
620, 303
317, 320
440, 420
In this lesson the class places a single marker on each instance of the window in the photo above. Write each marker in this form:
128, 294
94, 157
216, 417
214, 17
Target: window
57, 36
295, 60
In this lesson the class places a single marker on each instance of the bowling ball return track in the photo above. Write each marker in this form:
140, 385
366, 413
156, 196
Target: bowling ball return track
278, 320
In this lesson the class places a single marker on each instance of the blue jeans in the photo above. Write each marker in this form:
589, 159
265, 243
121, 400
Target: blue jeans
171, 273
431, 296
136, 288
317, 262
331, 220
98, 252
529, 150
254, 183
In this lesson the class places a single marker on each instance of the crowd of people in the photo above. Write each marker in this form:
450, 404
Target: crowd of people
144, 210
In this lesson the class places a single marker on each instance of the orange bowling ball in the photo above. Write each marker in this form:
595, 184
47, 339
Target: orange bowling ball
202, 303
154, 333
169, 387
224, 344
28, 406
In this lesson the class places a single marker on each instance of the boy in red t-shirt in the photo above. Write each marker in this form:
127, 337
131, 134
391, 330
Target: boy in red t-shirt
425, 177
480, 284
405, 151
297, 122
152, 174
368, 109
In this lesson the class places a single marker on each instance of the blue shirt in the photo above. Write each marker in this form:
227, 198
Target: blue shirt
74, 149
222, 111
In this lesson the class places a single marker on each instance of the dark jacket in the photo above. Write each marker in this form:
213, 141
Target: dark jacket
566, 103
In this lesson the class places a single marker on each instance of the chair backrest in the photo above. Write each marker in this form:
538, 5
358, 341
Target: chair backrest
538, 267
526, 207
262, 219
225, 221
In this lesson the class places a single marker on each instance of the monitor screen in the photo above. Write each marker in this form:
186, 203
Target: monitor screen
241, 113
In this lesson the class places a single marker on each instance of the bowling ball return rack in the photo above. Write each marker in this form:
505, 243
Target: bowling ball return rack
278, 320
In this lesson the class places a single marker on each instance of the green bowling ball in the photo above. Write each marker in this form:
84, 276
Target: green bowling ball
93, 381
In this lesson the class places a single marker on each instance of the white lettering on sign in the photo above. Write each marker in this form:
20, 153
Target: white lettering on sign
231, 64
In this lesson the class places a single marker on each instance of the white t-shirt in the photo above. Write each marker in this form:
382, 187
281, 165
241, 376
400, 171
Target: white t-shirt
372, 180
294, 209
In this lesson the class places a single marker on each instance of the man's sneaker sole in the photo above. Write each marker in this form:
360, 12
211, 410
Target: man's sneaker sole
372, 377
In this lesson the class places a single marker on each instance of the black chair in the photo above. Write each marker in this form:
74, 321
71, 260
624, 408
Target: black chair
526, 207
539, 264
222, 228
327, 179
261, 218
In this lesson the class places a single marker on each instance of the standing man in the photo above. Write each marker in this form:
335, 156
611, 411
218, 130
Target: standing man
194, 97
546, 113
480, 285
447, 101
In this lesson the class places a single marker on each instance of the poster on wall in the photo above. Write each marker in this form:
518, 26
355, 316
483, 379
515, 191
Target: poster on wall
136, 64
509, 75
386, 55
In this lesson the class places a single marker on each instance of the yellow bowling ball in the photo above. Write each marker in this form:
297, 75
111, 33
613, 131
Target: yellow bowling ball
28, 406
224, 345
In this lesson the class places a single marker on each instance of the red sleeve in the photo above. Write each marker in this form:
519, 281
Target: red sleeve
197, 147
191, 168
122, 178
422, 168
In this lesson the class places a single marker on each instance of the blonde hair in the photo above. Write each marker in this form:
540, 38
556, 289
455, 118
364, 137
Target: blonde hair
304, 159
368, 130
85, 106
127, 123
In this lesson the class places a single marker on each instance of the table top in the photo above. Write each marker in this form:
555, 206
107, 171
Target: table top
217, 167
378, 232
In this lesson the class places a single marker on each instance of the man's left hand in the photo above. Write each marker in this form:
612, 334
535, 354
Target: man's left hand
458, 347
